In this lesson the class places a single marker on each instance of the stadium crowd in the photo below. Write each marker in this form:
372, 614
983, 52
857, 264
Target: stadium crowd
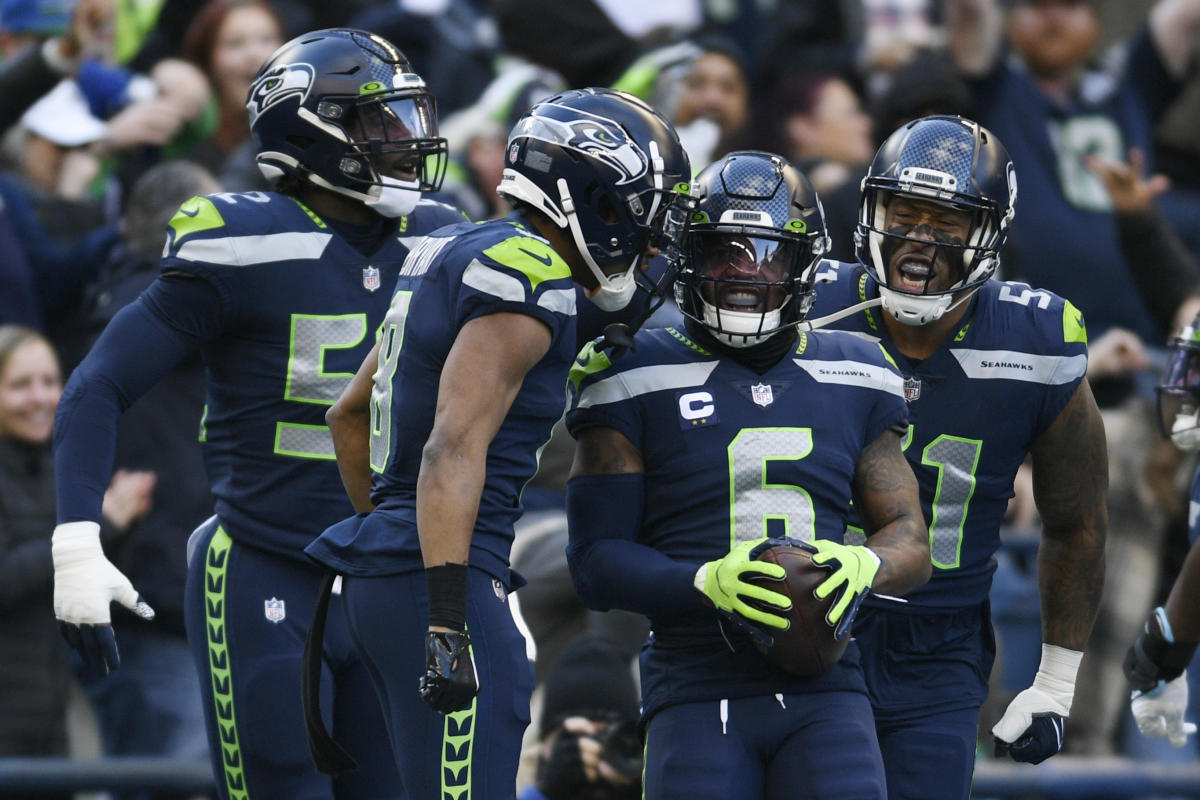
114, 114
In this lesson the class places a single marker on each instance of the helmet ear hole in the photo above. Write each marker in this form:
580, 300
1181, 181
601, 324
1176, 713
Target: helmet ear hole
302, 142
605, 209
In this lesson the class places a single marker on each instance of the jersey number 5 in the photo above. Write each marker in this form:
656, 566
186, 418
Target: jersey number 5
308, 382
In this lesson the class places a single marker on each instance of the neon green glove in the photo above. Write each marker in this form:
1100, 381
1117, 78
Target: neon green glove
854, 568
723, 582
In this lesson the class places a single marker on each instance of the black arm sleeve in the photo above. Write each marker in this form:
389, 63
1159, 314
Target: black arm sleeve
1165, 270
610, 569
137, 349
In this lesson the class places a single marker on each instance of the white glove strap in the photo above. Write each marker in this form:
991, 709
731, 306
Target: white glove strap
73, 542
1056, 674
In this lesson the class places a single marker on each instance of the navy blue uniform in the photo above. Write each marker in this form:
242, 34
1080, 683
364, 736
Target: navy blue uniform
283, 311
975, 406
730, 456
453, 277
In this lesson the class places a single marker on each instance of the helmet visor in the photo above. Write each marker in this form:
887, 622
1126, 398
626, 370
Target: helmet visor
401, 137
1179, 389
742, 271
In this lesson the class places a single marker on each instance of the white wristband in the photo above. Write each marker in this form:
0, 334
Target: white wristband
74, 538
1056, 673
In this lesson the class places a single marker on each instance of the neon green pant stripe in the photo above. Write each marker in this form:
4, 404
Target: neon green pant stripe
216, 566
458, 738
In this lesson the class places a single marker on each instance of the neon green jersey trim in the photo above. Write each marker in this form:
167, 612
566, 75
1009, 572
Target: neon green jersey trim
1074, 329
195, 215
532, 257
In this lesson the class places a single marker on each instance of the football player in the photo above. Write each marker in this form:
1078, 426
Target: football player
700, 443
468, 382
281, 292
993, 372
1156, 664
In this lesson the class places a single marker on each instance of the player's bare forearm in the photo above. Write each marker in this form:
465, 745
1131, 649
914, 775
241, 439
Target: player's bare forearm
604, 451
1070, 487
888, 502
481, 378
448, 492
349, 421
1183, 605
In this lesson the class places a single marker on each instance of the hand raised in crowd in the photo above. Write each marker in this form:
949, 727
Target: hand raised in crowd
129, 497
1116, 352
92, 31
152, 122
1132, 192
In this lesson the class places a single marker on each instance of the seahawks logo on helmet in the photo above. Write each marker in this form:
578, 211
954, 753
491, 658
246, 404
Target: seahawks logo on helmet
600, 138
287, 80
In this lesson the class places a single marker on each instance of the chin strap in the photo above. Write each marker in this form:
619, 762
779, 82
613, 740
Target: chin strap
821, 322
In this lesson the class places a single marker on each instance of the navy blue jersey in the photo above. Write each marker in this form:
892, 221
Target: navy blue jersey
460, 273
730, 456
975, 406
283, 311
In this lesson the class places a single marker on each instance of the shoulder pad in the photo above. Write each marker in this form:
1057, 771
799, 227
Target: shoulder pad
244, 229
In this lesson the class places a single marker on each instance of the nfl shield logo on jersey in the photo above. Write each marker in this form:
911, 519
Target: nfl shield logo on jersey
274, 610
761, 394
370, 278
912, 389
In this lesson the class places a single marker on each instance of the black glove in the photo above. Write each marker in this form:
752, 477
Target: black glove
1156, 656
1042, 739
449, 683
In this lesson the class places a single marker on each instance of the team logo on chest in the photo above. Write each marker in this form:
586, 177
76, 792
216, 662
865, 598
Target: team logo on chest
762, 395
371, 278
912, 389
274, 610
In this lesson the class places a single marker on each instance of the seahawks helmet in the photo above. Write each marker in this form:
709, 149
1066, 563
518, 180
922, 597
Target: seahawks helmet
1179, 390
342, 109
610, 170
946, 160
757, 235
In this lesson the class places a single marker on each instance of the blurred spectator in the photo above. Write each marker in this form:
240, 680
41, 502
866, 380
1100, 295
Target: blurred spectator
453, 44
26, 22
816, 122
32, 66
106, 110
33, 660
229, 40
702, 86
929, 84
588, 746
151, 706
41, 282
864, 41
1166, 272
578, 40
478, 135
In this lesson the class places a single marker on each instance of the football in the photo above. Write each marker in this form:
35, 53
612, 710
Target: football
808, 647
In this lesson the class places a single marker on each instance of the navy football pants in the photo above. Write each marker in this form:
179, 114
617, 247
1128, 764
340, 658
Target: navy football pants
927, 675
247, 614
468, 755
818, 746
